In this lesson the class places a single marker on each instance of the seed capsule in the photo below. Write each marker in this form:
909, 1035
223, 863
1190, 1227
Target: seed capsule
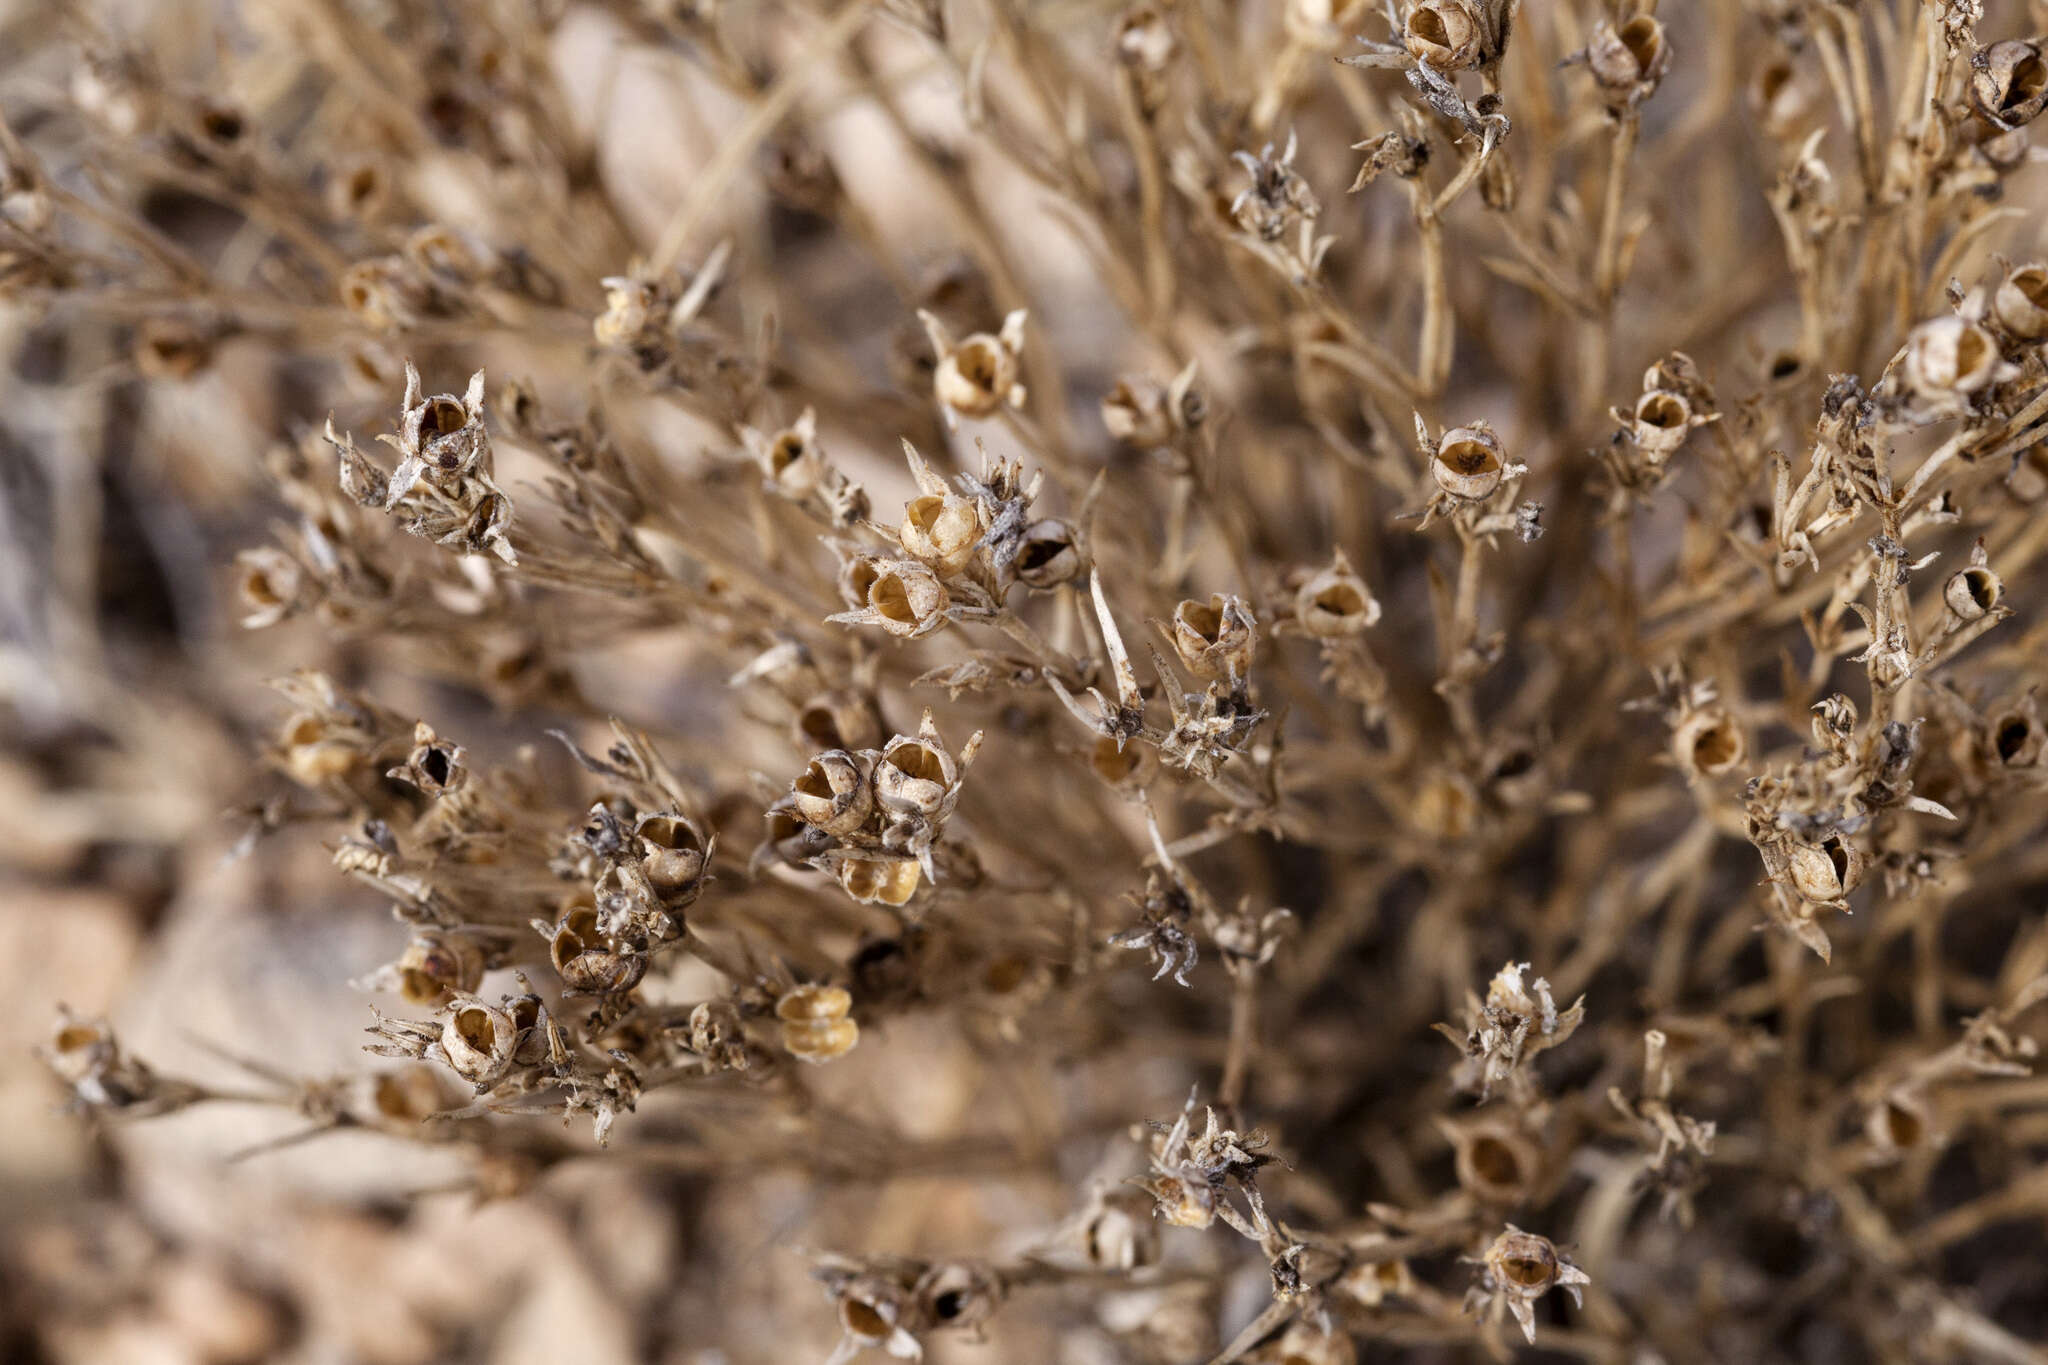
1048, 555
1217, 638
941, 530
1629, 62
979, 375
435, 966
585, 960
815, 1027
1444, 34
2021, 302
880, 881
674, 855
478, 1041
1708, 743
1335, 602
1972, 592
1824, 873
1468, 462
834, 794
906, 599
2009, 86
1949, 356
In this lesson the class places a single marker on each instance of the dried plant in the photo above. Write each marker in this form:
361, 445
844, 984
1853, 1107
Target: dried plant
960, 660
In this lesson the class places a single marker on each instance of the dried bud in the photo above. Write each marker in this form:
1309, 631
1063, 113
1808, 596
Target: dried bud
942, 531
1049, 554
586, 961
979, 375
434, 765
1826, 872
1972, 592
1444, 34
833, 794
675, 856
814, 1023
478, 1040
2021, 302
1629, 61
1468, 462
905, 599
1707, 743
880, 881
1335, 602
1215, 639
1949, 356
383, 293
2009, 83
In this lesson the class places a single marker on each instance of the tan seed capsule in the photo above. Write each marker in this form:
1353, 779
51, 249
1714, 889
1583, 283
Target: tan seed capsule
1334, 602
979, 375
907, 599
1708, 743
839, 719
833, 794
2021, 302
2009, 83
1949, 356
435, 966
1662, 421
1972, 592
1129, 767
916, 774
1824, 873
814, 1023
1217, 638
315, 752
2016, 738
1444, 34
812, 1003
674, 855
1494, 1163
269, 582
1898, 1123
1049, 554
880, 881
1468, 463
478, 1041
1629, 61
586, 962
941, 530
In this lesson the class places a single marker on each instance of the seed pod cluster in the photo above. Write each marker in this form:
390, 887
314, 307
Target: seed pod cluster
881, 811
